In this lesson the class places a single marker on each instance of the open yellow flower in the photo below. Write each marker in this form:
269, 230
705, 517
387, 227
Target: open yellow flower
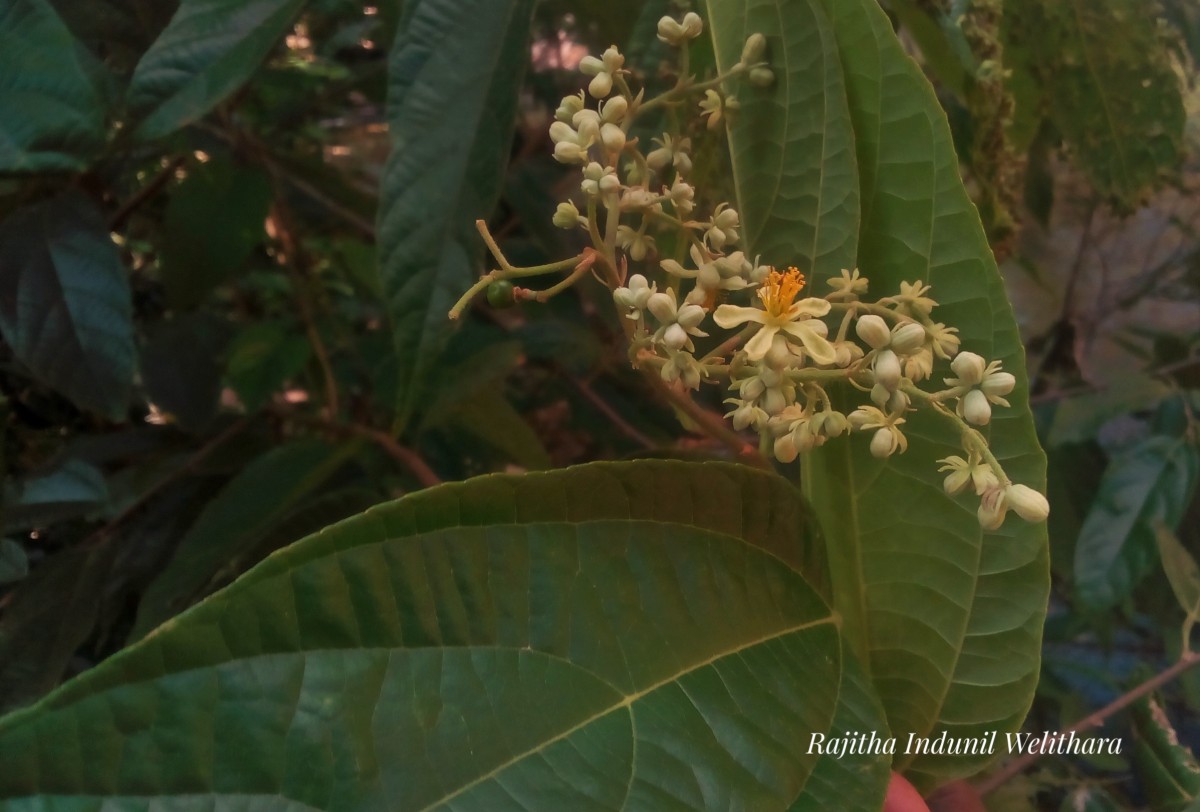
781, 313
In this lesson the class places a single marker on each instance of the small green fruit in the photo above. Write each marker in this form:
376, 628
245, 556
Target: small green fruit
500, 294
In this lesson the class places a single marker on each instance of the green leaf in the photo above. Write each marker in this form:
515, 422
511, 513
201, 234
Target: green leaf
1151, 482
71, 490
263, 358
490, 417
182, 365
65, 304
946, 618
47, 617
456, 70
1116, 100
856, 780
1078, 419
1166, 769
52, 104
792, 145
14, 564
244, 510
1180, 566
213, 221
386, 663
208, 50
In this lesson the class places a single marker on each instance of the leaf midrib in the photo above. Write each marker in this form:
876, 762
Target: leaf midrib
627, 701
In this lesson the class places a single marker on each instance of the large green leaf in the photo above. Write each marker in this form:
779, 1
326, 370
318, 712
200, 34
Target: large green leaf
1151, 482
65, 303
52, 104
793, 147
851, 781
456, 69
1116, 100
208, 50
946, 618
401, 661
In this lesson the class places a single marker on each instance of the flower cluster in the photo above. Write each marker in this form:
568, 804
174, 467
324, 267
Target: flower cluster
794, 352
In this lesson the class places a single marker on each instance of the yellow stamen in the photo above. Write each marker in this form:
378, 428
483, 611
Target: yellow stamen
779, 291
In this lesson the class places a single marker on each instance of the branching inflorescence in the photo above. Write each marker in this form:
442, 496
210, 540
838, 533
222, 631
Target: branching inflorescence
790, 343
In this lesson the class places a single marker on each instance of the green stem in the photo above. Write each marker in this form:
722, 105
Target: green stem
685, 87
511, 272
971, 435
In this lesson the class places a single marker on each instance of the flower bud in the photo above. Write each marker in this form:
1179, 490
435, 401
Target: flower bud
774, 400
601, 85
1028, 503
785, 448
692, 25
567, 152
762, 77
883, 443
880, 395
609, 184
968, 367
566, 215
613, 137
562, 131
675, 336
753, 50
976, 409
991, 513
613, 110
887, 369
874, 331
568, 107
663, 307
908, 338
998, 384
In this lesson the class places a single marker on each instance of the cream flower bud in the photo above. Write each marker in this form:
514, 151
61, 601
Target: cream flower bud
762, 77
969, 368
883, 443
567, 152
874, 331
613, 110
908, 338
959, 476
609, 184
975, 408
753, 50
636, 197
562, 131
587, 122
785, 448
566, 215
692, 25
675, 32
601, 85
675, 336
1028, 503
992, 508
568, 107
887, 369
998, 384
613, 137
635, 295
662, 306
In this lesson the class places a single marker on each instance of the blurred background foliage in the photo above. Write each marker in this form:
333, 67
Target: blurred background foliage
224, 279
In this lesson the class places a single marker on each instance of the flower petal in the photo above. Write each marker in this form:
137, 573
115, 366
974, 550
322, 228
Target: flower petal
821, 350
760, 342
732, 315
